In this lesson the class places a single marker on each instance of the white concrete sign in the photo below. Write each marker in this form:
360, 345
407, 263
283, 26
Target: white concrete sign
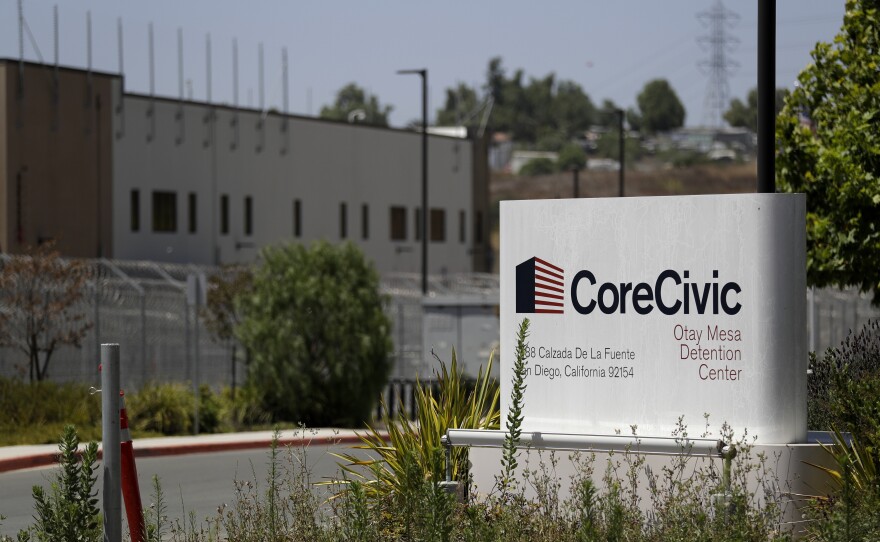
643, 310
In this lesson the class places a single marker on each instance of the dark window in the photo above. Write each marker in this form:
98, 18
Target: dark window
297, 218
164, 211
248, 215
438, 225
343, 220
365, 221
135, 210
462, 227
398, 224
478, 228
193, 217
418, 228
224, 214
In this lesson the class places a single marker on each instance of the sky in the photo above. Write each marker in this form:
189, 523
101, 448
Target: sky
610, 48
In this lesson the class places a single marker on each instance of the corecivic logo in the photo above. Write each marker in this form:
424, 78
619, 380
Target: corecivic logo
540, 288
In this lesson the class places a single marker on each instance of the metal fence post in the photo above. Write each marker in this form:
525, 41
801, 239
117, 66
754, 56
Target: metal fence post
111, 449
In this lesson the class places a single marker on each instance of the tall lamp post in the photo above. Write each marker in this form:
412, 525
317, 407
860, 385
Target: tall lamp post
423, 73
622, 142
766, 96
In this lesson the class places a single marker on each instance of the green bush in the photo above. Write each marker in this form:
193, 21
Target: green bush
538, 166
844, 385
169, 408
69, 510
161, 408
412, 452
34, 412
317, 333
844, 396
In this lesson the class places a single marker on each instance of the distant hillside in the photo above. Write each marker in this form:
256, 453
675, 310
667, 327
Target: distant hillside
699, 179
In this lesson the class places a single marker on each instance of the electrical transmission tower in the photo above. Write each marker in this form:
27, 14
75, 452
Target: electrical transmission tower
719, 65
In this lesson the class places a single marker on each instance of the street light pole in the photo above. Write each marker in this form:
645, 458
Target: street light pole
622, 142
423, 73
766, 96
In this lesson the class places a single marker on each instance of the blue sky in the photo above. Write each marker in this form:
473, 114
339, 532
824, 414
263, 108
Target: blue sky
611, 48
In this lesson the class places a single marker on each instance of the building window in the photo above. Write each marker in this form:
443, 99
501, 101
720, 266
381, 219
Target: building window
478, 228
438, 225
248, 215
193, 217
297, 218
135, 210
398, 224
418, 228
343, 221
164, 211
462, 227
224, 214
365, 221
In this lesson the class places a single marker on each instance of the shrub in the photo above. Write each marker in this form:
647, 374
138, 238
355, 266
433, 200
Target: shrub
844, 387
413, 452
33, 411
538, 166
317, 333
161, 408
69, 511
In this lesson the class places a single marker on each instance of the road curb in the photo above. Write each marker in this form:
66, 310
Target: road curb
159, 450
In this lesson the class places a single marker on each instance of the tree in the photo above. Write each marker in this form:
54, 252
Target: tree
608, 115
461, 104
828, 141
543, 110
353, 104
659, 107
745, 115
40, 308
571, 157
573, 110
318, 337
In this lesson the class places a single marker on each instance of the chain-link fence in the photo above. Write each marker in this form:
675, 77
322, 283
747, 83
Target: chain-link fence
832, 314
146, 308
149, 310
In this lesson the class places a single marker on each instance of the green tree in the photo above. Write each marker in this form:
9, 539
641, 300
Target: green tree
318, 337
745, 115
354, 104
542, 110
461, 104
828, 141
573, 110
659, 107
608, 115
40, 305
571, 157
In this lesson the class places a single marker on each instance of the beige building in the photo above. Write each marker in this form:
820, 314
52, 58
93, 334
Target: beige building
112, 174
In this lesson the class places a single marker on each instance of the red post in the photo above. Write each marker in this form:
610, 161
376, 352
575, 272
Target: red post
131, 492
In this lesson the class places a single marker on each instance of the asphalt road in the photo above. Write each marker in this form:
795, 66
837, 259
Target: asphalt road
199, 483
